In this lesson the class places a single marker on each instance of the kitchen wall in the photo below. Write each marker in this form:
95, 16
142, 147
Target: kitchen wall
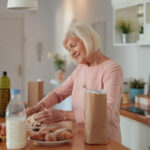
43, 31
46, 27
133, 59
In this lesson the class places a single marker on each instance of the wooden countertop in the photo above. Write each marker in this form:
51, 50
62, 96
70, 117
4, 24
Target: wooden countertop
76, 144
132, 115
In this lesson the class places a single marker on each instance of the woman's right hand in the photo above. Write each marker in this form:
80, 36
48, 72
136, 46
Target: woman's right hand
35, 109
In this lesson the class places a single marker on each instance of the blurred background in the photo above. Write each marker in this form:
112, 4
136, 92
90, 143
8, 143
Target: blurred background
28, 38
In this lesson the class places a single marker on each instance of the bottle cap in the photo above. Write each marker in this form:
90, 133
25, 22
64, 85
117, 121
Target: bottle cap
15, 91
4, 73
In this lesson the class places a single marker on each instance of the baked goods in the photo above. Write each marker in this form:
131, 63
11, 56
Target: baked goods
52, 134
31, 122
2, 132
38, 136
49, 129
50, 137
63, 134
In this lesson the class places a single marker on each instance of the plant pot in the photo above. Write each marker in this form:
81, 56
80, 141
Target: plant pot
125, 38
140, 36
60, 75
134, 92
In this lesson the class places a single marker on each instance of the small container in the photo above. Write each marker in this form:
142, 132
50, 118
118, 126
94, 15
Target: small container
15, 122
35, 92
96, 121
125, 98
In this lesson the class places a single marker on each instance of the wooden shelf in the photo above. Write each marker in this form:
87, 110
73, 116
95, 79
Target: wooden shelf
138, 12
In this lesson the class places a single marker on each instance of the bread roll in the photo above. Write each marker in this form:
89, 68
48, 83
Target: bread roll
38, 137
50, 137
63, 134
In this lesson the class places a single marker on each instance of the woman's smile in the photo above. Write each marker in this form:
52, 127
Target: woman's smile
76, 55
76, 48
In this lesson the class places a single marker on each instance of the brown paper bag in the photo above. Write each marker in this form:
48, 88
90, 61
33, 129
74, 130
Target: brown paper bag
96, 122
35, 92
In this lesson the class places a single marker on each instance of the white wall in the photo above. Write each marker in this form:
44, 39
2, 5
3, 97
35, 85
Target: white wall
134, 60
45, 26
41, 27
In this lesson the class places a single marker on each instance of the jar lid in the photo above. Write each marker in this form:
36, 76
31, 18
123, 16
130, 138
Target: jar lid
97, 91
15, 91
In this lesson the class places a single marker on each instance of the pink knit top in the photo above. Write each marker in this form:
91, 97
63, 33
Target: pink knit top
108, 76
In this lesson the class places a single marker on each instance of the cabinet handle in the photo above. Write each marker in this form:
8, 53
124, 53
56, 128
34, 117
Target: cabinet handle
19, 69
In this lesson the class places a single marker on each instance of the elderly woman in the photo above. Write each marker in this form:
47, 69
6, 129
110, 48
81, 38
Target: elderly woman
95, 71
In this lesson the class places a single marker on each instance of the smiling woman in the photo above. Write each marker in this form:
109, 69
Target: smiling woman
94, 71
76, 48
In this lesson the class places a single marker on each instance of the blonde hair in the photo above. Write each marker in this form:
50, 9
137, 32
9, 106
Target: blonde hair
87, 34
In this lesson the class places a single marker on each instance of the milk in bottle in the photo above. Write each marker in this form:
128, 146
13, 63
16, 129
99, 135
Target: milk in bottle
15, 122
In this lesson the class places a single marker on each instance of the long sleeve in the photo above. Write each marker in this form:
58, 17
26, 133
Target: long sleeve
59, 94
113, 84
65, 89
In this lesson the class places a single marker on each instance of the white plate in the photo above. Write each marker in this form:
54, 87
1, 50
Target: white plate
52, 143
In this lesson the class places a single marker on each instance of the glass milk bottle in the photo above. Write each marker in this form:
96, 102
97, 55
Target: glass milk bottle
15, 122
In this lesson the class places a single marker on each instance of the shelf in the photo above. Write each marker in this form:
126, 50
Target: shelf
126, 44
143, 43
138, 43
138, 13
126, 5
127, 14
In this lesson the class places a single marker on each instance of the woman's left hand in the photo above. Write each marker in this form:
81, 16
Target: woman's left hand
50, 116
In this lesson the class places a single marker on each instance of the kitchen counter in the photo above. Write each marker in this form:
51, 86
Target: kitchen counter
76, 144
126, 113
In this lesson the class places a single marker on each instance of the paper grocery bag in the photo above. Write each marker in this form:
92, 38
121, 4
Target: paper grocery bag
96, 121
35, 92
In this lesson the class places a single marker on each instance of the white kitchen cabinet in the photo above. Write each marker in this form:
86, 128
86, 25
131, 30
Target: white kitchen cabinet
136, 11
135, 135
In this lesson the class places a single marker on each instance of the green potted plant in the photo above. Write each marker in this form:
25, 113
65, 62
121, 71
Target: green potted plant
125, 27
140, 32
136, 88
60, 64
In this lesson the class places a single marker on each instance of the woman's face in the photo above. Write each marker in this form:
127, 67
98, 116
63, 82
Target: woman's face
76, 48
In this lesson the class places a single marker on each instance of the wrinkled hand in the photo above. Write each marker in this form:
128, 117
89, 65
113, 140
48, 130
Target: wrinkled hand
50, 116
34, 109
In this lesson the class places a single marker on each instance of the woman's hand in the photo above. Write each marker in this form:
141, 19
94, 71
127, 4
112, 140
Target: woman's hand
53, 116
35, 109
50, 116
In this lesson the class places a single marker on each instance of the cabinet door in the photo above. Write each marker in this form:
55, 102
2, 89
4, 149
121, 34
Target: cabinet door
134, 134
11, 48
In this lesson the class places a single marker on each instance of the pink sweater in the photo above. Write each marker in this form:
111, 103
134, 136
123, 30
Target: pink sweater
108, 76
